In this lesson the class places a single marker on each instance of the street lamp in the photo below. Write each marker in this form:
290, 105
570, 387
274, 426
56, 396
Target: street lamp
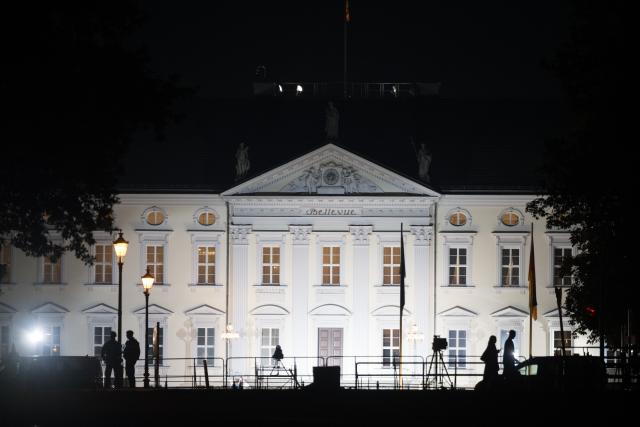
120, 245
147, 284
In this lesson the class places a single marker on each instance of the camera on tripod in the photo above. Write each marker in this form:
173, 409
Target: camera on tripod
439, 344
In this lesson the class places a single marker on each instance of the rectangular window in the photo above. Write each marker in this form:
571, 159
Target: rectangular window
457, 266
5, 262
391, 265
52, 270
155, 262
504, 334
271, 265
510, 267
269, 339
457, 348
101, 334
160, 343
204, 345
206, 265
331, 265
390, 346
51, 341
557, 343
4, 341
559, 254
104, 264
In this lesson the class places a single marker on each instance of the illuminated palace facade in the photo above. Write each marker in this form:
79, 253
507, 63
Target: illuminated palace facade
307, 256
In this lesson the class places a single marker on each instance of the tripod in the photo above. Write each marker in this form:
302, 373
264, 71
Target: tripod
438, 376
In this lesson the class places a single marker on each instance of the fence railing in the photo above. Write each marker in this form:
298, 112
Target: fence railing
434, 371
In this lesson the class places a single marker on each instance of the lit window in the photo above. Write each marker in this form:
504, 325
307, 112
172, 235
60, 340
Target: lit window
4, 341
205, 344
457, 348
271, 265
160, 343
390, 346
5, 262
52, 270
155, 217
206, 218
206, 265
457, 266
51, 341
103, 264
269, 339
559, 255
557, 343
391, 265
101, 334
458, 219
510, 267
510, 219
331, 265
155, 262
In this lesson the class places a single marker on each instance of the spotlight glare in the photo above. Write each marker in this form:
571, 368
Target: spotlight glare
35, 336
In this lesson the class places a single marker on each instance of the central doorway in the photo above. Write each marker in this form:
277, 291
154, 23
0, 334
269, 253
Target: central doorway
330, 345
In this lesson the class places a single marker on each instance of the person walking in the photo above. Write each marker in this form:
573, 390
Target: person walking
112, 356
508, 359
131, 356
490, 359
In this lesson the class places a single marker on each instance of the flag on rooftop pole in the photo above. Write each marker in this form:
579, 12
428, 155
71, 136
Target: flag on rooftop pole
402, 274
347, 12
402, 270
533, 302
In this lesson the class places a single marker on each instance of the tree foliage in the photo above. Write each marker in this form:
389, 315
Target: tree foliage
588, 187
73, 91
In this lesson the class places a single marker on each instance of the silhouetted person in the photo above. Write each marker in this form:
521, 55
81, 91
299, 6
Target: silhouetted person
131, 355
112, 356
508, 359
277, 355
490, 359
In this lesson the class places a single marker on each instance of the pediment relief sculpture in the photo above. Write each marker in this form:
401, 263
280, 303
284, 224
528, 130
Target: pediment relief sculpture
331, 178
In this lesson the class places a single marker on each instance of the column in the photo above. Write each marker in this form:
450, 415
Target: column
239, 294
300, 296
360, 237
423, 286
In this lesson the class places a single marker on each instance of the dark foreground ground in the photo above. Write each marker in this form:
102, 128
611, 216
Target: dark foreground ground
307, 407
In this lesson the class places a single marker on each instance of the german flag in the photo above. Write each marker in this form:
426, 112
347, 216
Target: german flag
347, 12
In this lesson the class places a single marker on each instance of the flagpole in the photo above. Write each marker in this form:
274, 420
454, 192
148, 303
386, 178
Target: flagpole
401, 299
344, 71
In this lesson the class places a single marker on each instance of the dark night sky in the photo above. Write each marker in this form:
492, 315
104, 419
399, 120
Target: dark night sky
496, 98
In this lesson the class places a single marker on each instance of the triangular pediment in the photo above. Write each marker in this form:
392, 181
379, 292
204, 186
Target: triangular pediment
49, 308
556, 314
269, 310
154, 309
100, 309
510, 311
330, 170
330, 310
204, 310
457, 311
390, 310
6, 309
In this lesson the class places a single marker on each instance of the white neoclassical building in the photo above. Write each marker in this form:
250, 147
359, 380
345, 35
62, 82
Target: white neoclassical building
307, 256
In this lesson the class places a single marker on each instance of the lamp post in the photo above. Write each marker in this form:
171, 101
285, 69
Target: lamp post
147, 284
120, 245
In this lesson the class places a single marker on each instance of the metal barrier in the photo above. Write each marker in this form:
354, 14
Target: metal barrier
361, 372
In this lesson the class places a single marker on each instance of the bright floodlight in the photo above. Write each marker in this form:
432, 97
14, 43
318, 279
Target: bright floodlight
147, 281
35, 336
298, 89
280, 88
120, 245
